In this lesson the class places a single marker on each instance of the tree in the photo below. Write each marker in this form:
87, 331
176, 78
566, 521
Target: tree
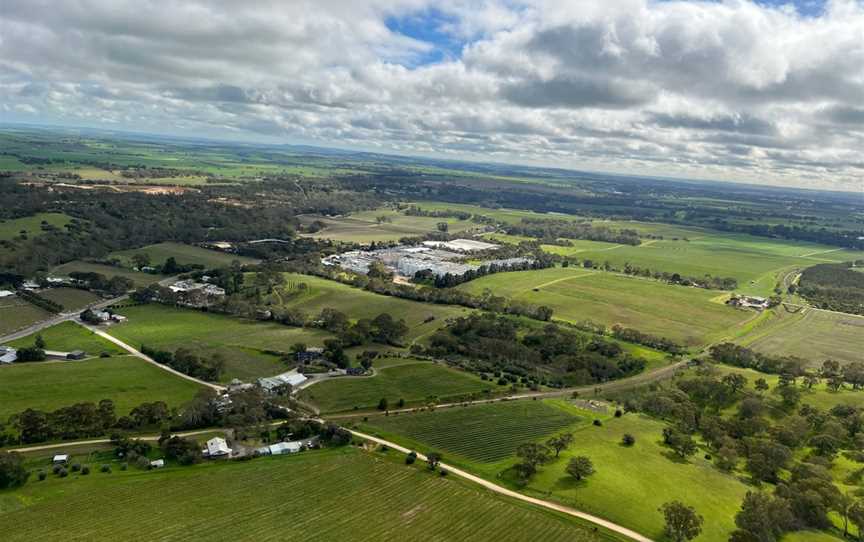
762, 517
39, 342
433, 459
682, 521
141, 259
560, 442
334, 352
580, 467
856, 516
532, 455
680, 442
761, 385
170, 266
628, 440
12, 471
383, 404
443, 227
734, 382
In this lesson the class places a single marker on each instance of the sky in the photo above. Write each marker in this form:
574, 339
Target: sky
765, 91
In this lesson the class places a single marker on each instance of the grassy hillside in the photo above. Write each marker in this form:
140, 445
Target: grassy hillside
139, 279
356, 303
345, 494
241, 342
15, 313
413, 382
685, 315
31, 225
184, 254
363, 227
126, 380
68, 336
71, 298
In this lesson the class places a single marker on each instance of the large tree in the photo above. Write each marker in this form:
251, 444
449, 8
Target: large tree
682, 521
580, 467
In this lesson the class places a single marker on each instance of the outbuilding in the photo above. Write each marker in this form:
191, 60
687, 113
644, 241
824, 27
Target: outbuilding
61, 459
157, 464
216, 447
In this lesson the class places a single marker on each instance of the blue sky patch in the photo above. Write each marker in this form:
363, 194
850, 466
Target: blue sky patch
429, 26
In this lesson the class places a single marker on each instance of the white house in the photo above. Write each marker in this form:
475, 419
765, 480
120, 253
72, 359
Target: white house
8, 354
216, 447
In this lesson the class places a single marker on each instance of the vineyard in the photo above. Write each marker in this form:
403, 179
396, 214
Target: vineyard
484, 433
344, 495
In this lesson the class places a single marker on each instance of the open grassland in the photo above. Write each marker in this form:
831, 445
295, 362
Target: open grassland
126, 380
631, 483
31, 225
811, 334
346, 494
68, 336
183, 254
685, 315
363, 227
484, 433
412, 382
421, 318
139, 279
819, 395
242, 343
15, 313
72, 299
502, 215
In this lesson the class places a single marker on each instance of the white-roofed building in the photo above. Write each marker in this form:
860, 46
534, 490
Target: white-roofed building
273, 382
216, 447
8, 354
157, 464
6, 293
61, 459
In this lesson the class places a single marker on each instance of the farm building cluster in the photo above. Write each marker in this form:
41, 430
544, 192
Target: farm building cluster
431, 256
749, 302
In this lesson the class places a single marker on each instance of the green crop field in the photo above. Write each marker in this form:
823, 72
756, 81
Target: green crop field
184, 254
484, 433
814, 335
344, 494
139, 279
631, 483
357, 303
15, 313
685, 315
126, 380
364, 228
241, 342
68, 336
31, 225
71, 298
413, 382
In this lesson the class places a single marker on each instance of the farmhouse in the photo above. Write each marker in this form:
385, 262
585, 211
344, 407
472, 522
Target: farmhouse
216, 447
269, 384
312, 353
8, 354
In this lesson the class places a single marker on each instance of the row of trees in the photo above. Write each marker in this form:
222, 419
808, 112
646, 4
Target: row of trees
185, 361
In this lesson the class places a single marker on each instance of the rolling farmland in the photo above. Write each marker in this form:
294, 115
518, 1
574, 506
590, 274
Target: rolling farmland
341, 494
68, 336
484, 433
72, 299
139, 279
31, 225
364, 228
413, 382
241, 342
126, 380
685, 315
184, 254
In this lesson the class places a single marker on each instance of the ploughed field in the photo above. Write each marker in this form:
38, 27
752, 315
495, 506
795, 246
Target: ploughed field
412, 382
688, 316
483, 433
343, 494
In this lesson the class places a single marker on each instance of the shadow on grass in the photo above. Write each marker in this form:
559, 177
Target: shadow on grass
675, 458
569, 483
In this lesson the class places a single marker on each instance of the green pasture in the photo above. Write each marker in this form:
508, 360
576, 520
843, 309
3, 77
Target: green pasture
71, 298
811, 334
31, 225
68, 336
481, 433
242, 343
126, 380
363, 227
343, 494
685, 315
819, 395
184, 254
139, 279
15, 313
415, 383
422, 319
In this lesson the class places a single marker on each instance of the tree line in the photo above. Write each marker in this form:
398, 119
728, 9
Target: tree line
834, 286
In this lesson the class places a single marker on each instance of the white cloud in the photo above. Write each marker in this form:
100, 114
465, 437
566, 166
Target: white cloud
726, 89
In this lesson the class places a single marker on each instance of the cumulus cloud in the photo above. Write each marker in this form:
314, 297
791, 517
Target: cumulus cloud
721, 89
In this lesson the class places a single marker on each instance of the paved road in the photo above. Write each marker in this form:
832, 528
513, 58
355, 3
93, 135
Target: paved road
614, 527
148, 359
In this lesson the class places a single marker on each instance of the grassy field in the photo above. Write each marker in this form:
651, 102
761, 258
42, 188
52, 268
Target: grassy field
344, 494
364, 228
413, 382
139, 279
184, 254
814, 335
484, 433
15, 313
241, 342
630, 484
685, 315
819, 396
68, 336
356, 303
31, 225
126, 380
71, 298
